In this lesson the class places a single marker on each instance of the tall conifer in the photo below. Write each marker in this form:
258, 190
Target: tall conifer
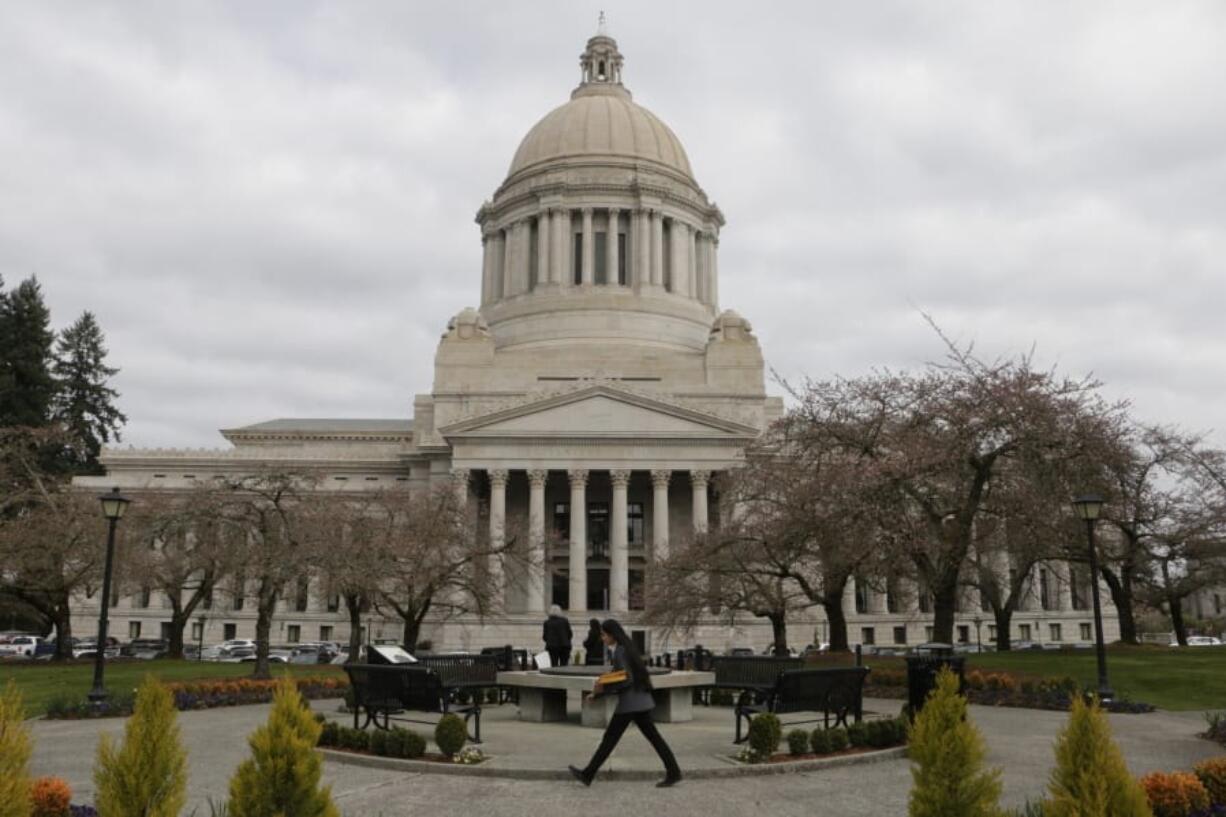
28, 390
14, 755
85, 403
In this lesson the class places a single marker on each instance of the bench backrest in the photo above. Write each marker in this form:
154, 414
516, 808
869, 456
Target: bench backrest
459, 671
750, 671
837, 689
407, 686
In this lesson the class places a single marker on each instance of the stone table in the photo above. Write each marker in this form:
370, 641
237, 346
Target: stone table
542, 694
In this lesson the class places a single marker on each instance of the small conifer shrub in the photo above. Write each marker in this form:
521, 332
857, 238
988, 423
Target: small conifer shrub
947, 752
798, 742
765, 732
15, 751
145, 776
282, 775
450, 734
1090, 778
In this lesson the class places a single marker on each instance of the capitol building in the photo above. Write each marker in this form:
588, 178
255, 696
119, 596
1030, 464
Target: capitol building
586, 406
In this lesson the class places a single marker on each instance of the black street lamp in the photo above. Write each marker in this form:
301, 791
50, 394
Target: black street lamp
113, 506
200, 639
1088, 507
978, 634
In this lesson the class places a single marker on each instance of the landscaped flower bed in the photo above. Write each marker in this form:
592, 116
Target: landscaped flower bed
765, 735
395, 742
1002, 689
202, 695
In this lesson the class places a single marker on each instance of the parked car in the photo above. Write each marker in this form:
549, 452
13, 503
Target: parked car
740, 651
145, 648
312, 654
88, 648
20, 646
1193, 641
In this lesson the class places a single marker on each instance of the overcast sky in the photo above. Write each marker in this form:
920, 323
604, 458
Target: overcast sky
270, 205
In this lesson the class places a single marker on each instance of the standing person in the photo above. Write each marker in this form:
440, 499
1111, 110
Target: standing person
634, 705
593, 645
558, 637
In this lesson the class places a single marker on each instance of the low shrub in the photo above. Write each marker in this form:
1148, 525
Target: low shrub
820, 741
765, 732
50, 797
1216, 722
798, 742
329, 734
857, 734
450, 734
405, 743
377, 743
1212, 774
1175, 794
838, 739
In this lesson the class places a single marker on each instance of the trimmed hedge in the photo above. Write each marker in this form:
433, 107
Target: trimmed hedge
798, 742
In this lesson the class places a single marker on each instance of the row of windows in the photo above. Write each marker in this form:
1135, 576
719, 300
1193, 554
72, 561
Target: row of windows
293, 632
1055, 632
1048, 599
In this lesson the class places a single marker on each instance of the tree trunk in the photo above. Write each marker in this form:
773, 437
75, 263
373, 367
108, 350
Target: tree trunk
353, 604
1177, 623
944, 610
266, 605
1004, 622
779, 628
174, 646
62, 616
837, 622
1122, 596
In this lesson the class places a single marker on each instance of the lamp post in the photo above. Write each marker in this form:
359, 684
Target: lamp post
978, 634
1088, 507
113, 506
200, 641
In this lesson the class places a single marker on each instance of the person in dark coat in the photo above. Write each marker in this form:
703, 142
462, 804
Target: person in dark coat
634, 705
558, 637
593, 645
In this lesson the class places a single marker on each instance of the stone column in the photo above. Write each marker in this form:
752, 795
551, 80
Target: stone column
619, 549
578, 540
459, 481
589, 249
700, 267
849, 604
680, 240
714, 290
497, 252
498, 535
557, 257
538, 559
542, 249
642, 239
657, 249
698, 483
610, 247
487, 264
659, 513
510, 258
692, 258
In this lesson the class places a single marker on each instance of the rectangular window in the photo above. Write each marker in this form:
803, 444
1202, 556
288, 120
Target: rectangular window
622, 262
293, 633
144, 597
164, 631
634, 521
600, 244
334, 602
133, 630
867, 637
598, 534
229, 632
1023, 632
1085, 632
303, 596
891, 597
1054, 632
561, 521
861, 597
1045, 595
114, 597
991, 632
578, 258
325, 632
237, 590
197, 631
207, 601
928, 633
964, 634
1217, 604
900, 635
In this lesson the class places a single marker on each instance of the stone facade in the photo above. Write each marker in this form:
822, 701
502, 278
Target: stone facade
599, 373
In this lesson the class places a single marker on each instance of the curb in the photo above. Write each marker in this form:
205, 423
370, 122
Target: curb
485, 770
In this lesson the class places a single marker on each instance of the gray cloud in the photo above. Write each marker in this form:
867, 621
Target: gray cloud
270, 206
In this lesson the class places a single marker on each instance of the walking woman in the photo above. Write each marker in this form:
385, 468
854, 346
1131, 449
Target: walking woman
634, 705
593, 645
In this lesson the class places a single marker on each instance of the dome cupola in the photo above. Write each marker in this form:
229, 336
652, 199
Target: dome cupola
600, 232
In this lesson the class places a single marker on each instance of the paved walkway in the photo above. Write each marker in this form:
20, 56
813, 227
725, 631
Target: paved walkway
1019, 742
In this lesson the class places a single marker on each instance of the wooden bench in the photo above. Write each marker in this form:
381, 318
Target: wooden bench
837, 693
383, 691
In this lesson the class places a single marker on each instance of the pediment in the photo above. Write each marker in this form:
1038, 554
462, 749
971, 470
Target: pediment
599, 411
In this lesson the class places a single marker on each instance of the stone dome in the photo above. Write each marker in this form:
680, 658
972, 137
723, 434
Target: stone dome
601, 122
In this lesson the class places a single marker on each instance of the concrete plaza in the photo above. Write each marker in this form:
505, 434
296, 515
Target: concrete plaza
1019, 742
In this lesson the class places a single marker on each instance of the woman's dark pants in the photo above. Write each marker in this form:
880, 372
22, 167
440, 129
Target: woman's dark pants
613, 733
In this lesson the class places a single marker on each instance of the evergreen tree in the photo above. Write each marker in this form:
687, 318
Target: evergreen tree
27, 390
14, 755
147, 775
1090, 778
84, 403
947, 751
282, 775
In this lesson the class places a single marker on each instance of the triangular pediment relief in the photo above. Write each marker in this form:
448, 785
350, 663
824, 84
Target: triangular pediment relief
599, 411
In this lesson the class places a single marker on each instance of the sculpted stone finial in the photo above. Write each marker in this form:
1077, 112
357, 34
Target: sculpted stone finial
730, 326
468, 324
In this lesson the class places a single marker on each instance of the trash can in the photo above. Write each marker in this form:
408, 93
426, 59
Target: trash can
922, 668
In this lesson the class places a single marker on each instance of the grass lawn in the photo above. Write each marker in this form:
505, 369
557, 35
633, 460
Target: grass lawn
41, 682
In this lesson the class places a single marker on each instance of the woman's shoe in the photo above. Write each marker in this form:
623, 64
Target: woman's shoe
669, 781
580, 776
